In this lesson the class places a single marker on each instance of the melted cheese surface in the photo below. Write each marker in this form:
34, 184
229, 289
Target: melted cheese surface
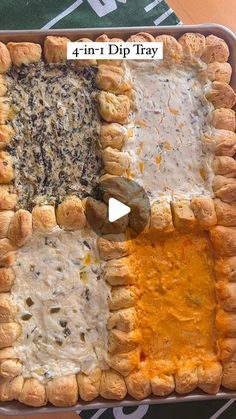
168, 156
62, 305
177, 302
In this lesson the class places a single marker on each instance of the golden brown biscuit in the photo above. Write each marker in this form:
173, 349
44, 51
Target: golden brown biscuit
225, 269
224, 188
24, 53
226, 323
3, 85
112, 385
172, 50
105, 38
122, 297
70, 214
226, 213
161, 217
223, 118
6, 134
20, 228
84, 63
6, 169
7, 277
162, 385
224, 240
119, 341
33, 393
124, 363
229, 375
112, 79
55, 49
209, 377
6, 246
5, 59
225, 166
216, 50
221, 72
113, 108
44, 218
192, 44
227, 349
96, 211
115, 162
125, 319
186, 379
8, 200
7, 353
7, 308
117, 272
7, 260
204, 211
109, 248
183, 216
10, 368
223, 142
89, 385
9, 332
62, 391
5, 110
5, 218
141, 37
138, 384
113, 135
11, 389
117, 227
226, 293
221, 95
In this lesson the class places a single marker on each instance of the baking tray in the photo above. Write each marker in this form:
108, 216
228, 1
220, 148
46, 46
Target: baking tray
15, 408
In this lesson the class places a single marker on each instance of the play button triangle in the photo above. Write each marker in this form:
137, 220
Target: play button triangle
116, 210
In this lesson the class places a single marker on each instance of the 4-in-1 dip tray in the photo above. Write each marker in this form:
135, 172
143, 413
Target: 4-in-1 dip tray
93, 314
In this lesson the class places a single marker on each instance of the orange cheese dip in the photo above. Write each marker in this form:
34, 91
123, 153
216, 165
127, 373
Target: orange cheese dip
176, 300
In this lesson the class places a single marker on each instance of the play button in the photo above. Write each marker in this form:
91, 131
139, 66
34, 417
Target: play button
116, 210
121, 208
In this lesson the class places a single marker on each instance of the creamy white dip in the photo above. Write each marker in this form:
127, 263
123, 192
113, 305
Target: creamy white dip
62, 305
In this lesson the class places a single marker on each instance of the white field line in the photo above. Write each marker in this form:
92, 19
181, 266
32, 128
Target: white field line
152, 5
222, 409
163, 17
66, 12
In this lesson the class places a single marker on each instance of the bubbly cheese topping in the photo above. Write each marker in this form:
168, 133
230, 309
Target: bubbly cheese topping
167, 154
62, 305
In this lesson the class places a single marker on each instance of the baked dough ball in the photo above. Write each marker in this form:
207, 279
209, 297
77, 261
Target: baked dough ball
84, 63
112, 79
7, 277
5, 59
204, 211
62, 391
125, 363
6, 246
224, 240
117, 227
117, 272
225, 166
96, 213
221, 72
44, 218
105, 38
225, 269
9, 332
11, 389
115, 162
7, 308
223, 142
55, 49
113, 135
6, 169
216, 50
226, 293
7, 260
183, 216
3, 85
209, 377
172, 50
109, 248
112, 385
119, 341
226, 323
186, 379
7, 353
163, 384
70, 214
229, 375
10, 368
161, 217
223, 118
226, 213
24, 53
138, 384
5, 218
224, 188
221, 95
89, 385
227, 349
125, 320
33, 393
141, 37
6, 134
122, 297
20, 228
114, 108
193, 44
8, 200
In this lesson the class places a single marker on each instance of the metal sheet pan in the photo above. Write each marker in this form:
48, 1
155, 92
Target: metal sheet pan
15, 408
